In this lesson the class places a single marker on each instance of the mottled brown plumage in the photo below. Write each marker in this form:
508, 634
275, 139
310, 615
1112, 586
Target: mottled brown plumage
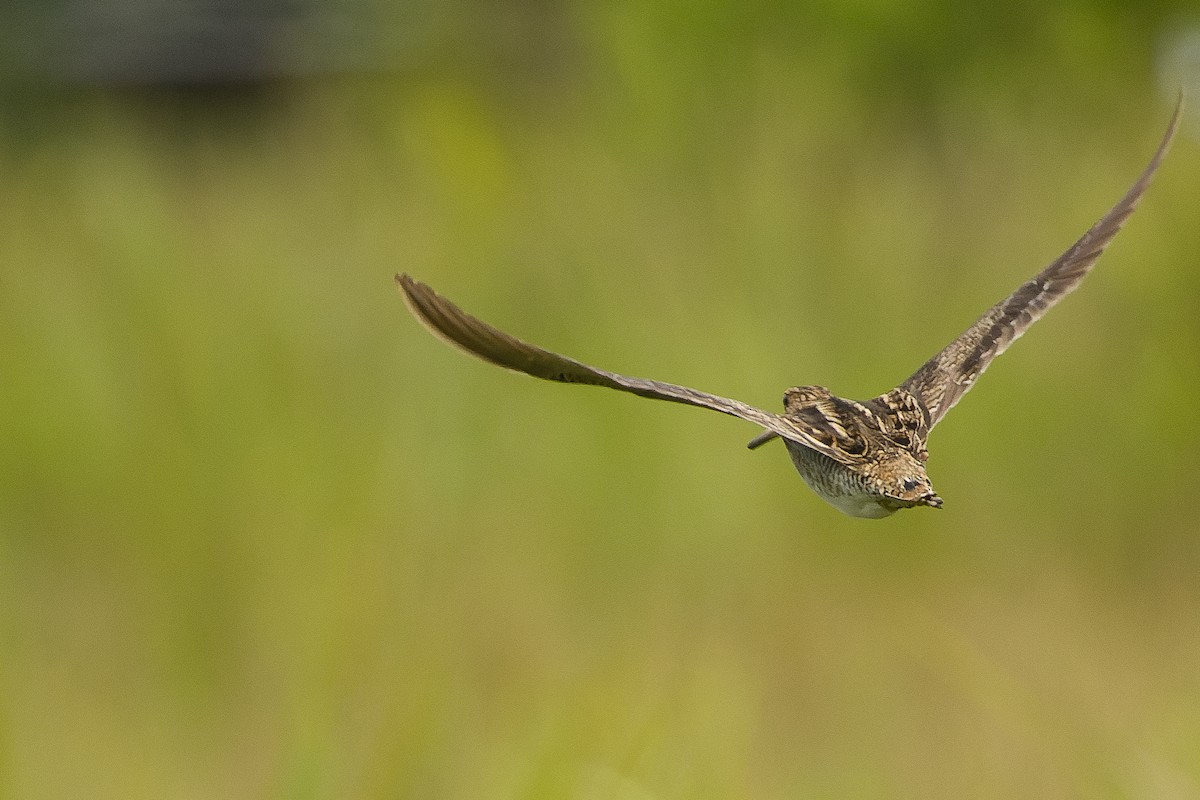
866, 458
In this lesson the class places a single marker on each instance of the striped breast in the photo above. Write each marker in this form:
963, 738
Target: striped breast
840, 487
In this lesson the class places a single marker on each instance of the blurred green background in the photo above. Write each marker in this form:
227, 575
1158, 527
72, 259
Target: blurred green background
261, 536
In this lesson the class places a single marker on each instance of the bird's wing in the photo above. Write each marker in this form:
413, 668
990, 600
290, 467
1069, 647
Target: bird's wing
461, 330
946, 377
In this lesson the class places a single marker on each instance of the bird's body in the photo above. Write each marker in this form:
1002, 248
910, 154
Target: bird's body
866, 458
841, 487
884, 435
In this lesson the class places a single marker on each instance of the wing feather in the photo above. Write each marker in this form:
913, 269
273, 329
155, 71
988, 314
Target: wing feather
944, 379
461, 330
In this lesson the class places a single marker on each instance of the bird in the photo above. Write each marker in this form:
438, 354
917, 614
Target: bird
866, 458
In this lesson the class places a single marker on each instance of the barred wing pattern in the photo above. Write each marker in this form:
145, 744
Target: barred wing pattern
946, 377
461, 330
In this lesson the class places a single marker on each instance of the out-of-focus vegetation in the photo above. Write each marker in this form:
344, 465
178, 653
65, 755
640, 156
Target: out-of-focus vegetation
262, 536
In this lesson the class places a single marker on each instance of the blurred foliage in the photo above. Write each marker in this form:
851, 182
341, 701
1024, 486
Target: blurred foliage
261, 536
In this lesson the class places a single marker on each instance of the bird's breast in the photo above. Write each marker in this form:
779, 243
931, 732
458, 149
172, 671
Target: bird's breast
840, 487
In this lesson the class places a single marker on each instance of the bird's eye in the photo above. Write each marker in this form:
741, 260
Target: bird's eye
910, 484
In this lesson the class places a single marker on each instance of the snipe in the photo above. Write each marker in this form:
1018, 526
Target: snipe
867, 458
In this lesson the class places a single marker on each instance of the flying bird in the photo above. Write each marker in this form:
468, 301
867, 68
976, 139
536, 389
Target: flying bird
866, 458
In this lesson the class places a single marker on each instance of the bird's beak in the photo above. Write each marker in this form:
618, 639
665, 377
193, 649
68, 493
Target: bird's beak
932, 500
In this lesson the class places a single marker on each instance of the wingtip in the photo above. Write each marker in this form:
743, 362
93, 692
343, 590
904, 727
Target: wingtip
1172, 126
410, 292
1180, 102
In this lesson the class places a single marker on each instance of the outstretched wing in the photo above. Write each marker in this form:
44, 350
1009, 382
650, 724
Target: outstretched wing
459, 329
951, 373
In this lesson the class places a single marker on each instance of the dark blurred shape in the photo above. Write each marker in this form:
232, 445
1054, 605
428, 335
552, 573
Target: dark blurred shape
237, 62
186, 43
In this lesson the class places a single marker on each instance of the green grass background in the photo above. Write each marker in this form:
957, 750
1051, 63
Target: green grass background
263, 537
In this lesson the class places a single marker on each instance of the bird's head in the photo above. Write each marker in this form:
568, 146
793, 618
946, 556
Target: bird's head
901, 478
